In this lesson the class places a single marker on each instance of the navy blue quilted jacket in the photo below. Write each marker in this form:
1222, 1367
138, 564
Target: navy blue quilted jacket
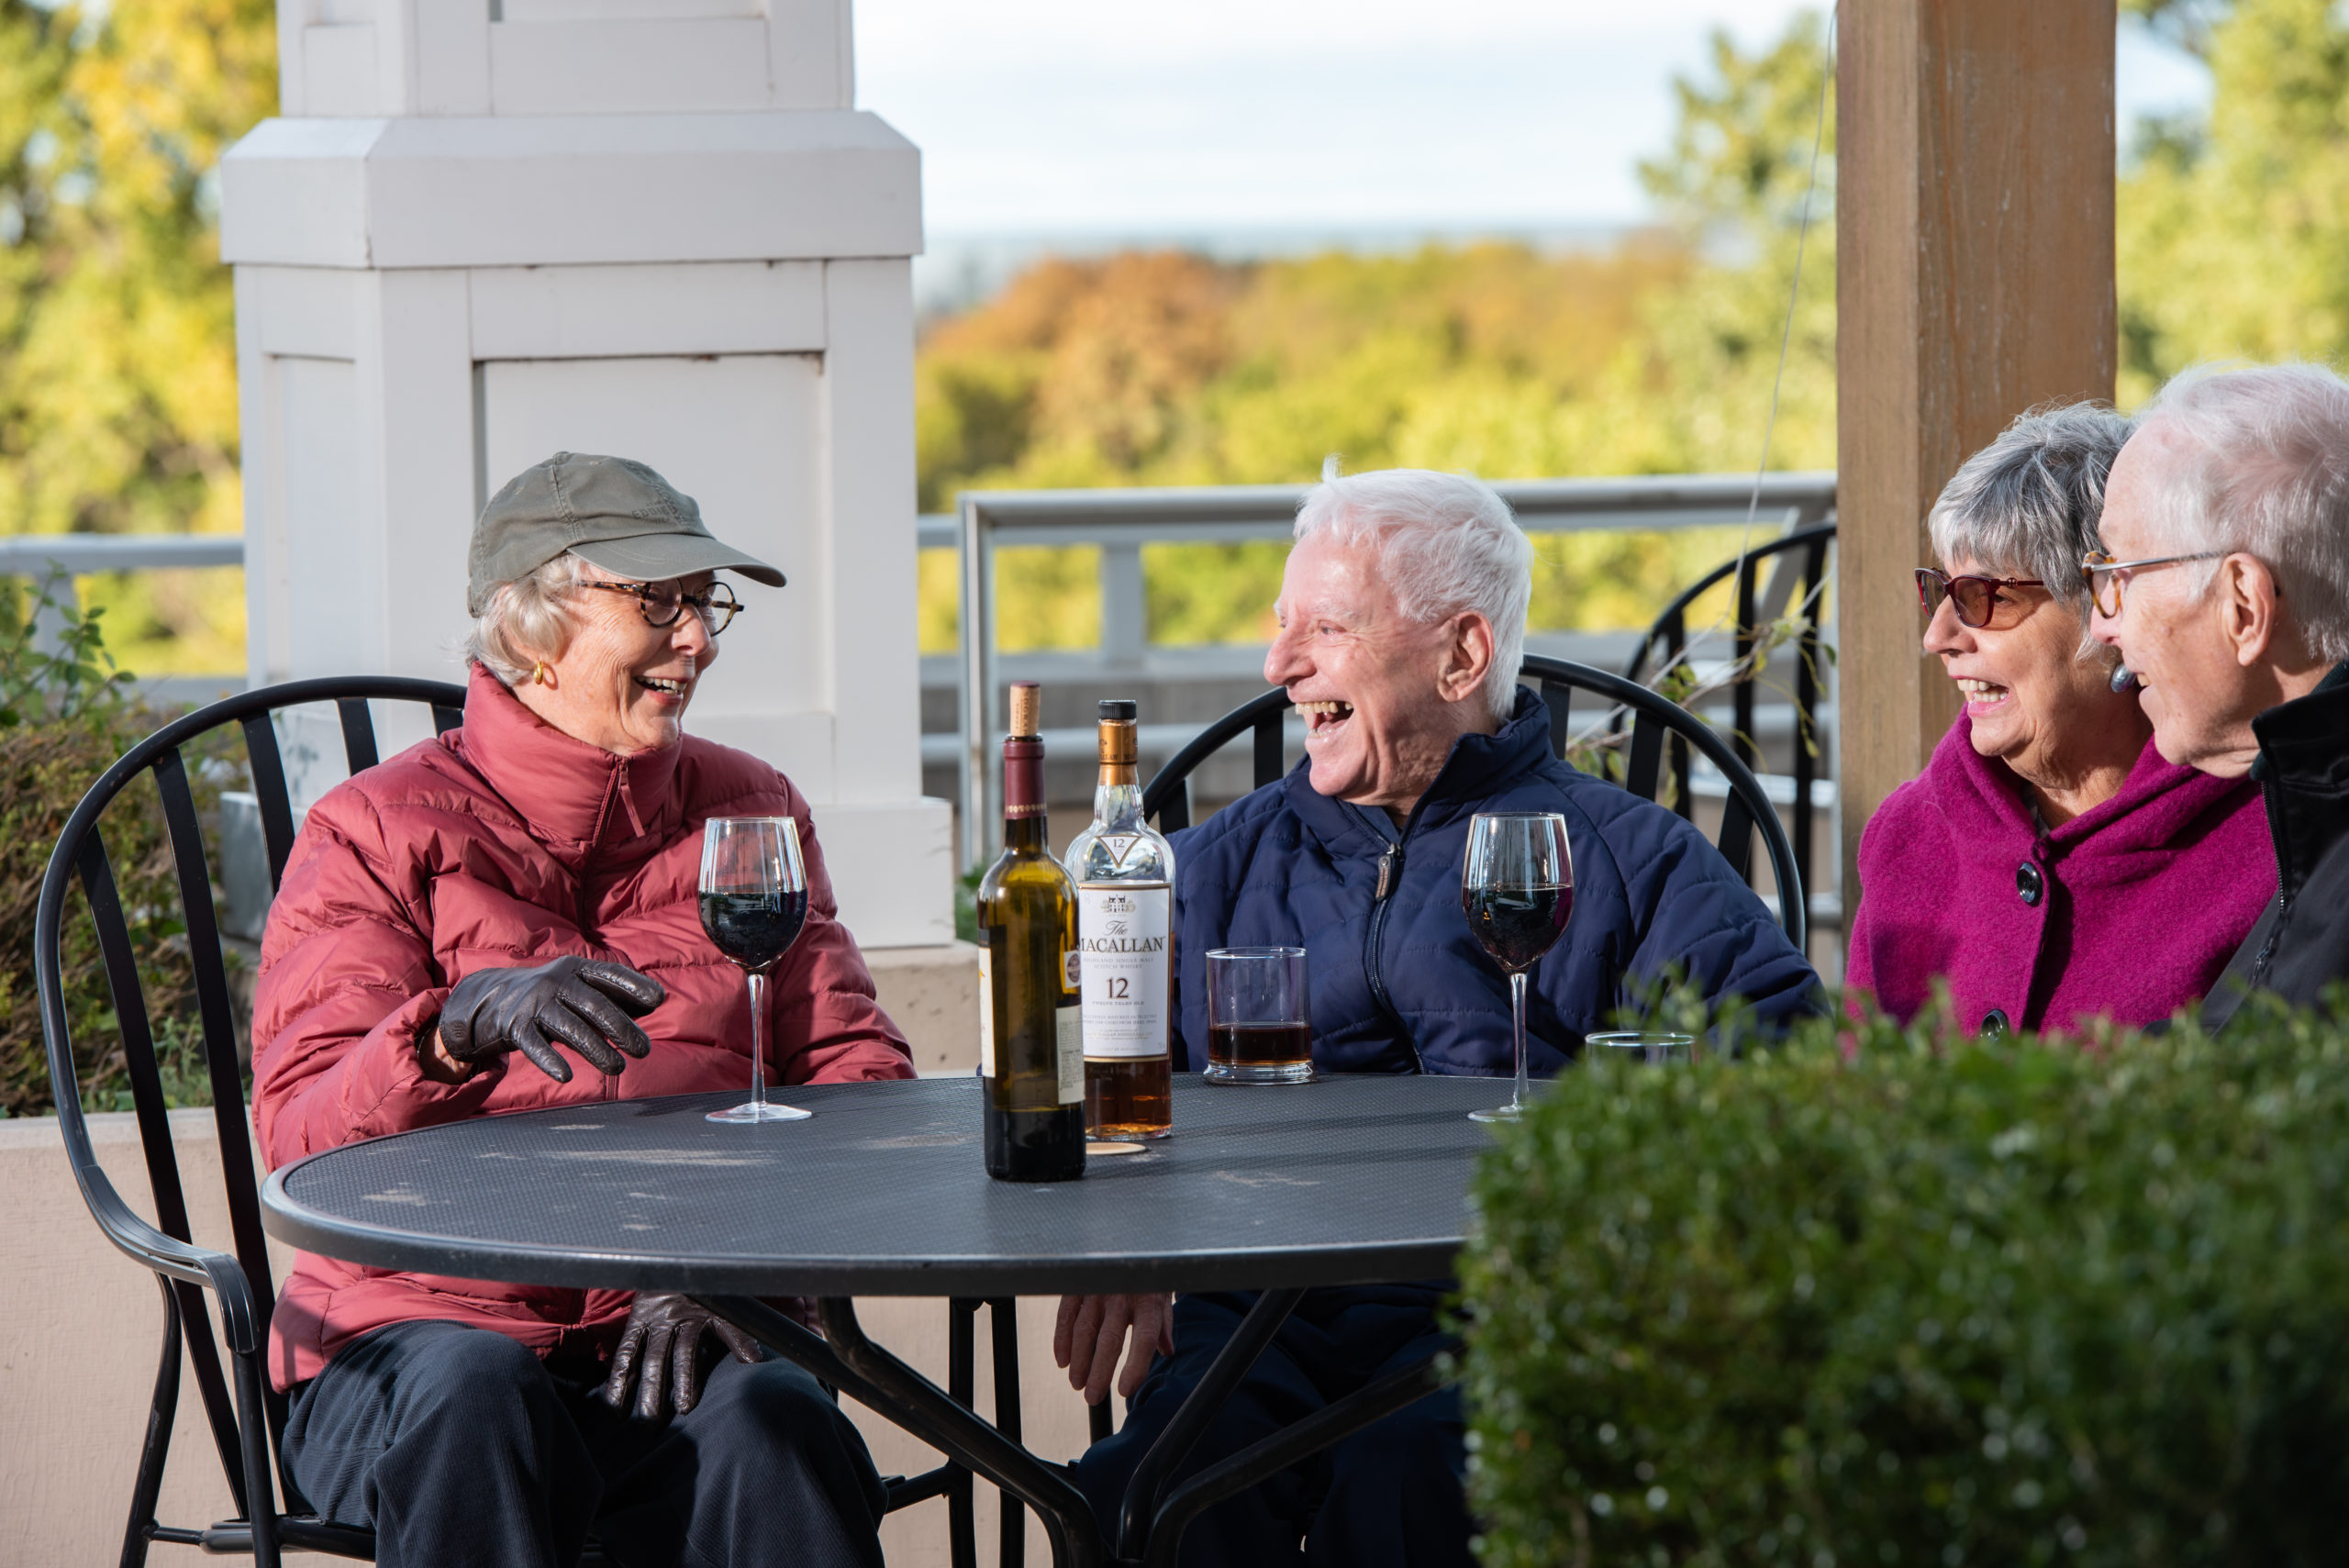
1398, 985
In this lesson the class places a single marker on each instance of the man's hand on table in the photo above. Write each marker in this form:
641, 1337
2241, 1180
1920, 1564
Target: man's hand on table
660, 1351
1091, 1330
587, 1004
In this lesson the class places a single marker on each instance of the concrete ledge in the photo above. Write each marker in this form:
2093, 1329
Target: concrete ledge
77, 1364
933, 994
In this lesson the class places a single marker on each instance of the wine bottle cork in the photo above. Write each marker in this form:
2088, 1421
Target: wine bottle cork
1027, 700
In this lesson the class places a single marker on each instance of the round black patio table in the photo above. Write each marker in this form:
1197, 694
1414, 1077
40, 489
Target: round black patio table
1352, 1180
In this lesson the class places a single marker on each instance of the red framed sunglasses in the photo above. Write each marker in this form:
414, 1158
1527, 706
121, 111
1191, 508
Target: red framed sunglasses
1976, 599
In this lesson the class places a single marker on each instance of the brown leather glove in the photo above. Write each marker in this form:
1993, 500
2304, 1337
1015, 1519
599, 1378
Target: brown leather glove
661, 1350
582, 1002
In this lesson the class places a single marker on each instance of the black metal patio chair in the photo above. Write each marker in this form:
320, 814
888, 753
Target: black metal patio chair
1799, 569
1654, 717
248, 1425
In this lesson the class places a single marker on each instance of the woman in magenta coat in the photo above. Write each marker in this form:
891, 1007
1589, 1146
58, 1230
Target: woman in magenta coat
2048, 865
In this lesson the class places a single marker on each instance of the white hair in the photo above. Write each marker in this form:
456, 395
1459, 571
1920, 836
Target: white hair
2028, 504
2256, 460
526, 619
1447, 543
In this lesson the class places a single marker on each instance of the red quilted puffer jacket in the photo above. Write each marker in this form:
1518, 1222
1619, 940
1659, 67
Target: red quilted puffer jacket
508, 842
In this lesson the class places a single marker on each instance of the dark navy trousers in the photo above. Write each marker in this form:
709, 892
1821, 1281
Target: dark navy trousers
1393, 1494
460, 1447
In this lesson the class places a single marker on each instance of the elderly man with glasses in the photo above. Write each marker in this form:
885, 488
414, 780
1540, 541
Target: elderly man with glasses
2224, 583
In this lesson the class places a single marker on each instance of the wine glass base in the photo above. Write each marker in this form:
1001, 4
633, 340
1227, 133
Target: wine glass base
762, 1111
1498, 1113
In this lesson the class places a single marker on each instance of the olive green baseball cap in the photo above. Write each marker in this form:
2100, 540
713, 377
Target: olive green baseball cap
614, 512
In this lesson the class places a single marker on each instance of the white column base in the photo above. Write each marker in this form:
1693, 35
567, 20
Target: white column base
893, 870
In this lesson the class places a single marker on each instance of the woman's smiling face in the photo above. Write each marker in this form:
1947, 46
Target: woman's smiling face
2032, 699
619, 683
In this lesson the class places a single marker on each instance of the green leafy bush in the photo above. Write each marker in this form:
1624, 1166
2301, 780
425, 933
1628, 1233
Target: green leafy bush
1928, 1303
66, 713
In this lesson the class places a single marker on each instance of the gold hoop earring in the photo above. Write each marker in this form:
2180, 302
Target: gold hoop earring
539, 673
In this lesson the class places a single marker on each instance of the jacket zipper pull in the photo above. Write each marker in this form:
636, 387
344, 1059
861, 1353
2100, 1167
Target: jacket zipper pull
1386, 872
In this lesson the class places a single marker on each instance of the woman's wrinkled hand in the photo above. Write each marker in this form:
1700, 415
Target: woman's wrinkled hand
589, 1005
1091, 1331
660, 1351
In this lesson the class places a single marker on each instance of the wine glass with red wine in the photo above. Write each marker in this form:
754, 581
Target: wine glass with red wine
753, 901
1517, 886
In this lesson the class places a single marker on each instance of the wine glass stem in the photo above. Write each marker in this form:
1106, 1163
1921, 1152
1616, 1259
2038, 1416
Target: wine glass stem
1517, 1006
757, 1036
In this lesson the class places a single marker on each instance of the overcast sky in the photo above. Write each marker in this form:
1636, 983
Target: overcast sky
1199, 117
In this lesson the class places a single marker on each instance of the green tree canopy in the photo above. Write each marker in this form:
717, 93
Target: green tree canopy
117, 342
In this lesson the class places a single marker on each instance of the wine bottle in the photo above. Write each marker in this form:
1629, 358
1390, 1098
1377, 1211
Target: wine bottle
1031, 1044
1125, 877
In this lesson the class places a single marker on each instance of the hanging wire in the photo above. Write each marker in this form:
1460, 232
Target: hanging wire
1732, 674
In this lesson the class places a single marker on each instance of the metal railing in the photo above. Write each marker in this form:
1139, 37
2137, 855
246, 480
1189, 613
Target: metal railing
43, 556
1121, 521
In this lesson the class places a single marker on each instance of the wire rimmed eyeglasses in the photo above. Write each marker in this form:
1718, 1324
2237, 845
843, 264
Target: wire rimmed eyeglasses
2106, 583
663, 602
1975, 599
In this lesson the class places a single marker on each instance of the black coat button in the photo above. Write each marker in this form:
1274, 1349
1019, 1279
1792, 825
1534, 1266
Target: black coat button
2029, 883
1994, 1024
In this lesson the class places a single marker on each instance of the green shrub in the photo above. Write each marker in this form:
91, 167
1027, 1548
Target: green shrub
1975, 1303
65, 715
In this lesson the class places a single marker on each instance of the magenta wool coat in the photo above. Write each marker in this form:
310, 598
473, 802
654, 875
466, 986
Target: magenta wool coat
2129, 911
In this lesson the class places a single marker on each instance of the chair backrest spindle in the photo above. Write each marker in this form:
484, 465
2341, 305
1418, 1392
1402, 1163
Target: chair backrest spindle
358, 734
275, 802
1269, 730
214, 1010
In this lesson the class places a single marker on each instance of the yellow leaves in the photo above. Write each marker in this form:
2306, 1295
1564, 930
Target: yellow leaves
118, 355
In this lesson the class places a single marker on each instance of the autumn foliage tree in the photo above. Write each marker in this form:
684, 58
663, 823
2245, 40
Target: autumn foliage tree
117, 342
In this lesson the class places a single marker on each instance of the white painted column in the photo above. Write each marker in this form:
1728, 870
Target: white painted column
487, 231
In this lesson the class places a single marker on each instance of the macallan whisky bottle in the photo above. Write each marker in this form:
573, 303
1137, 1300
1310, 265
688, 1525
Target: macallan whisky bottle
1125, 879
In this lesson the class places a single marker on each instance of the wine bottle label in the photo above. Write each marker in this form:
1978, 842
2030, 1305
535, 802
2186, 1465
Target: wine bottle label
1070, 1039
1121, 933
987, 1010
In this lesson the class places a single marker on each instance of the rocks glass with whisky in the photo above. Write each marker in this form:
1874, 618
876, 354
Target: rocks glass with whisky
1259, 1016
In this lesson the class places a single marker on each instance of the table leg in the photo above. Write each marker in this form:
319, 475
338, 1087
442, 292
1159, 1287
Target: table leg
1373, 1402
853, 1362
962, 1384
1003, 1319
1231, 1364
926, 1410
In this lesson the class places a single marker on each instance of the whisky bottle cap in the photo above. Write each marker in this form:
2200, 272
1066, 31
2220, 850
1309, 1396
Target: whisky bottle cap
1117, 737
1027, 701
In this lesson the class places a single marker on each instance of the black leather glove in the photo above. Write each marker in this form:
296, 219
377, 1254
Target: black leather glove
578, 1001
662, 1341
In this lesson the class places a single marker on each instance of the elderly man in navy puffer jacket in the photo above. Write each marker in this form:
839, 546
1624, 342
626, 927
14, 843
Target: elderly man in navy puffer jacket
1402, 622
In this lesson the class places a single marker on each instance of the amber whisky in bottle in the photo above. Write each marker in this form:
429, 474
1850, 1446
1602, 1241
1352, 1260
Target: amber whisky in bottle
1124, 873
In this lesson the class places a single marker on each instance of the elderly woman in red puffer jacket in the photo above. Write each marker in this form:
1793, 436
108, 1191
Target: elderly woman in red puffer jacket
503, 919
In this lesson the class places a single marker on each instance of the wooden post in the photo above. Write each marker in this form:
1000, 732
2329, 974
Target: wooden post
1974, 232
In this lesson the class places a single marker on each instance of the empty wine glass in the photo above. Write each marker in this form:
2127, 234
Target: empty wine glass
1517, 886
753, 901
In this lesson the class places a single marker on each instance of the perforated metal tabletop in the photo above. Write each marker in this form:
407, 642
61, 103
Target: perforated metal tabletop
1350, 1181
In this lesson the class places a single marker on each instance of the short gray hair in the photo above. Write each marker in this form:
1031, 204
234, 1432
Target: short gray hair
526, 619
1447, 543
2257, 461
2028, 505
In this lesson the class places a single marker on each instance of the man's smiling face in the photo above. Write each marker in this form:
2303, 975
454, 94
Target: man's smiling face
1363, 675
